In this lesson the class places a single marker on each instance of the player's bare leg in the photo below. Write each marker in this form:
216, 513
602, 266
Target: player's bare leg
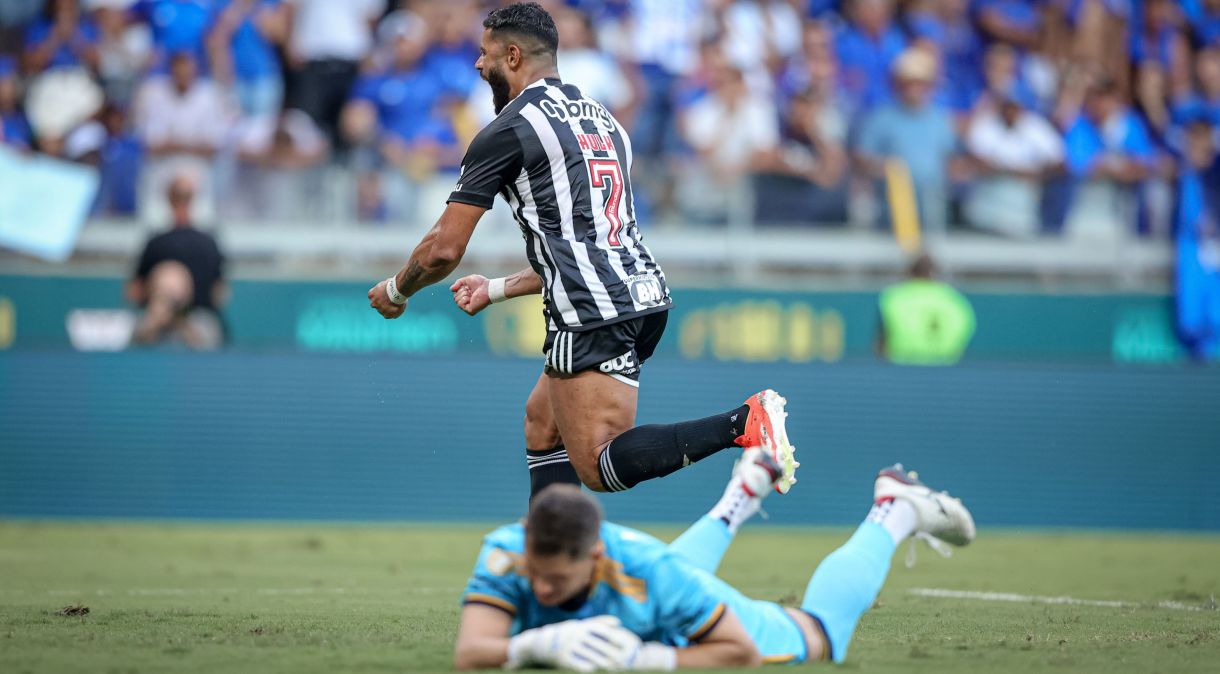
540, 429
595, 414
544, 450
590, 410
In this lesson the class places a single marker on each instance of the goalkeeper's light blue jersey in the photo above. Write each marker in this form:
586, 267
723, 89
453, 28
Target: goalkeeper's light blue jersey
656, 593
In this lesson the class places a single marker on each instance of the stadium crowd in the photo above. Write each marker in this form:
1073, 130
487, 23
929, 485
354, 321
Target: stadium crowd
1021, 117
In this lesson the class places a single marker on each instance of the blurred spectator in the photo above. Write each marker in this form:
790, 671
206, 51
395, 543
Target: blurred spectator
730, 131
802, 179
663, 38
1013, 148
62, 37
1207, 96
177, 26
594, 72
761, 35
182, 121
179, 281
14, 130
1204, 19
924, 321
121, 156
243, 45
455, 45
820, 8
867, 48
279, 174
916, 132
1109, 155
124, 49
1002, 79
1207, 71
328, 41
397, 112
15, 15
1014, 22
1198, 239
946, 26
1157, 37
1101, 37
814, 66
665, 35
1152, 96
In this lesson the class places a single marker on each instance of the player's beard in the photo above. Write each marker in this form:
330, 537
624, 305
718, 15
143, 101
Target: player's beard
499, 88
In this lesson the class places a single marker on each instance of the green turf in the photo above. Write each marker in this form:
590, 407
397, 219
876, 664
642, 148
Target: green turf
303, 598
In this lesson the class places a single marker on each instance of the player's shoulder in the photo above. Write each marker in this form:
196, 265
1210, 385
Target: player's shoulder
502, 552
500, 135
631, 547
508, 537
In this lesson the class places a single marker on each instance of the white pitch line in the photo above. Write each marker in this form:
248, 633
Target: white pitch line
1037, 599
187, 591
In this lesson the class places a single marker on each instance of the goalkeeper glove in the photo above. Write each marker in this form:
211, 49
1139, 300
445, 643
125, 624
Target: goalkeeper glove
583, 645
605, 644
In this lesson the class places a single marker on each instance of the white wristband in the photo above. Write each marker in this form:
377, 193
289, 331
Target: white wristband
391, 291
520, 650
655, 657
495, 290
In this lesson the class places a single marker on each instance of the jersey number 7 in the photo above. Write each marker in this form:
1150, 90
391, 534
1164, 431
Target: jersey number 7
606, 173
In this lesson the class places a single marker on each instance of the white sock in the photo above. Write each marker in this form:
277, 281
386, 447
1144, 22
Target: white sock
898, 517
736, 506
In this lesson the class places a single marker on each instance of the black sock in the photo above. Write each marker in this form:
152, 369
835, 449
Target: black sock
657, 450
548, 467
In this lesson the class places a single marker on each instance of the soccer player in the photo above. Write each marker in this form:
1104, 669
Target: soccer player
566, 590
563, 164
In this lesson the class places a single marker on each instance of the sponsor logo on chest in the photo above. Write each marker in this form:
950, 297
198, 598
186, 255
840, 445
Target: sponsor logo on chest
582, 109
646, 290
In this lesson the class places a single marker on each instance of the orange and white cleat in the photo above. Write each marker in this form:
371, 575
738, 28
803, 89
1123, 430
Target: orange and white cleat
765, 430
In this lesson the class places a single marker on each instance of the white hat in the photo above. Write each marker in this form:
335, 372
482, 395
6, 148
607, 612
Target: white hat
59, 99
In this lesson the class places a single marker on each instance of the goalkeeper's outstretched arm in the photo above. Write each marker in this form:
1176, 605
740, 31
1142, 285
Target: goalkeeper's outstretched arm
482, 640
599, 643
726, 645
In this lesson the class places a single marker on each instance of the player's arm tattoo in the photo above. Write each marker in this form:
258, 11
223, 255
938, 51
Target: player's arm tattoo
524, 282
411, 275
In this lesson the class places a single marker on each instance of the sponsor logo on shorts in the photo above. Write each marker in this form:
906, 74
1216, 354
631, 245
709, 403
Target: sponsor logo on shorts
624, 364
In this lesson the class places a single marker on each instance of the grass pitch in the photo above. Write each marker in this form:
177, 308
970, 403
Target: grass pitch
328, 598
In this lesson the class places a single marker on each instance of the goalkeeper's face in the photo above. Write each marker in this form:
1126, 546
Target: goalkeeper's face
558, 578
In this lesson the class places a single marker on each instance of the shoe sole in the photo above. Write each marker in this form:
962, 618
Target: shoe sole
784, 453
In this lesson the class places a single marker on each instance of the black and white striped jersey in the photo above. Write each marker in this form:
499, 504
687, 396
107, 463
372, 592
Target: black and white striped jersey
563, 164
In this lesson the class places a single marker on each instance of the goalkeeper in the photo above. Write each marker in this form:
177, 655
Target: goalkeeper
567, 590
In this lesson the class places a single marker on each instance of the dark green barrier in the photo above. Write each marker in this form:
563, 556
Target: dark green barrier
722, 325
379, 437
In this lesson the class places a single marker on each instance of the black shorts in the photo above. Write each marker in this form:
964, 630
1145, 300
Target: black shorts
618, 349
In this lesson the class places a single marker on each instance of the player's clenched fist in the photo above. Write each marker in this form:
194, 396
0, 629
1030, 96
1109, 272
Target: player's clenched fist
470, 293
385, 302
